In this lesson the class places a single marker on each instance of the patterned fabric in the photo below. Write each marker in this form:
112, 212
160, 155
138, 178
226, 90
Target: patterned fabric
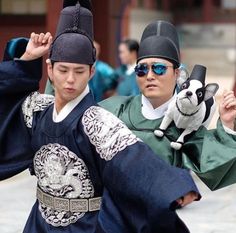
61, 173
35, 102
106, 132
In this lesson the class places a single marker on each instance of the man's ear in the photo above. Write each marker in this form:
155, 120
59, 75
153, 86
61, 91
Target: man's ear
210, 90
181, 75
49, 69
92, 71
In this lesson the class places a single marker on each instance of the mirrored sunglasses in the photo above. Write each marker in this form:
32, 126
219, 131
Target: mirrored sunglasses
158, 68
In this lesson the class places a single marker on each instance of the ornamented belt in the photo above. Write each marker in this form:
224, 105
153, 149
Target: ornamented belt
66, 204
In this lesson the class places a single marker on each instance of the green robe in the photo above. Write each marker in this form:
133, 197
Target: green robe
211, 154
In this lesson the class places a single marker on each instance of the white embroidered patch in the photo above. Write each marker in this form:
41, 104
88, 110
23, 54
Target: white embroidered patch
61, 173
33, 103
106, 132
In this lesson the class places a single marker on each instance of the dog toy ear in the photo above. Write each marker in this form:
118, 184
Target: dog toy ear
182, 76
210, 90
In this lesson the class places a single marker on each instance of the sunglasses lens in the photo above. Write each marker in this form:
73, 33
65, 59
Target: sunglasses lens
141, 70
159, 69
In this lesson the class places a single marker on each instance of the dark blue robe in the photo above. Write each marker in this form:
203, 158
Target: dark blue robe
90, 153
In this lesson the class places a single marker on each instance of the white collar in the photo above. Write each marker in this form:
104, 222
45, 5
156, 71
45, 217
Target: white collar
66, 110
152, 114
130, 69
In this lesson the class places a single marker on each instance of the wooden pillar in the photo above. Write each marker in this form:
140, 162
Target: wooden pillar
207, 11
116, 9
101, 19
134, 3
166, 5
109, 26
148, 4
54, 8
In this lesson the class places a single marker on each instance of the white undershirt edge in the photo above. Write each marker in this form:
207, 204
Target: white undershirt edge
151, 113
228, 130
66, 110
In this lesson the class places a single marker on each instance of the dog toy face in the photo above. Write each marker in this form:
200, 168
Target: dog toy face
191, 93
189, 110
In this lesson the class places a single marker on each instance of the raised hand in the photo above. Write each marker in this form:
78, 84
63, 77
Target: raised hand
38, 46
187, 199
227, 109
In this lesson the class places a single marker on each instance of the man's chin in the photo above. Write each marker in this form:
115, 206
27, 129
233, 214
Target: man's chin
151, 95
69, 98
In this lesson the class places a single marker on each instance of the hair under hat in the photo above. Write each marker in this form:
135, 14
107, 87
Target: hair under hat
160, 39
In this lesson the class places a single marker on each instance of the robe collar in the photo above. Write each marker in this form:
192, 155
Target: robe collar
67, 109
151, 113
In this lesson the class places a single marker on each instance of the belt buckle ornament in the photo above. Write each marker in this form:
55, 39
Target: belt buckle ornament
80, 205
95, 203
61, 204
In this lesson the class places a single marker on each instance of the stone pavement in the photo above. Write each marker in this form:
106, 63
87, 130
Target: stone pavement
17, 196
215, 213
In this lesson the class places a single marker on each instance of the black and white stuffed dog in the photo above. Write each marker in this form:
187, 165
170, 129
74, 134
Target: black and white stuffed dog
192, 106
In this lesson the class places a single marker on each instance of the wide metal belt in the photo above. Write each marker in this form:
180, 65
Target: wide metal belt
66, 204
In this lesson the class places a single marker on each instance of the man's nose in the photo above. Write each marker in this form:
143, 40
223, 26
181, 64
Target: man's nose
150, 75
70, 77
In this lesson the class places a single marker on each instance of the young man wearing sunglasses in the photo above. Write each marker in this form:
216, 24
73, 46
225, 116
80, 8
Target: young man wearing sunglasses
210, 154
94, 174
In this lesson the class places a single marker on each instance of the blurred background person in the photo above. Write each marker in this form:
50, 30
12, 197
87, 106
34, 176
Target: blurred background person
103, 82
126, 78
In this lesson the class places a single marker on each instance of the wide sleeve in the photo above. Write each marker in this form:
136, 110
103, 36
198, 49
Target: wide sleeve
211, 154
17, 79
143, 186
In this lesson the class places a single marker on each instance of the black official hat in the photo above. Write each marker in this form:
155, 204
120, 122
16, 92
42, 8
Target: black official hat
198, 73
160, 39
74, 36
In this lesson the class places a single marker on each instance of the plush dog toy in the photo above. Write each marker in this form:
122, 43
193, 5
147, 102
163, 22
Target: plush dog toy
192, 106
